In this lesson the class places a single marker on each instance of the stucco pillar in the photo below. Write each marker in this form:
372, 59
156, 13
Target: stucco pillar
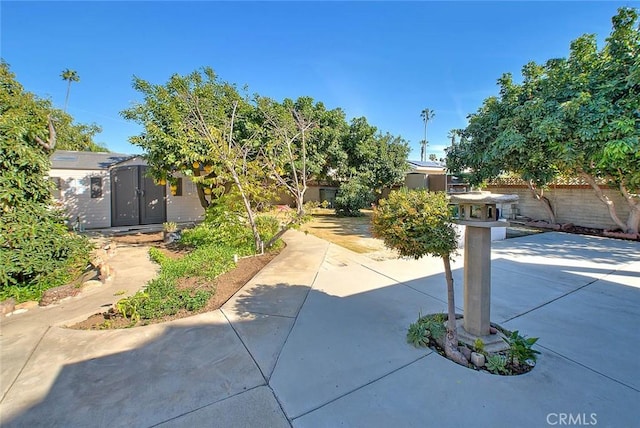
477, 280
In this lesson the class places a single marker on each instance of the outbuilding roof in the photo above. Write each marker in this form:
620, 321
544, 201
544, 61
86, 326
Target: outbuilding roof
425, 164
67, 159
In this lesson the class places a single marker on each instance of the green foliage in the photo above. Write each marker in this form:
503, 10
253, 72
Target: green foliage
416, 223
36, 250
478, 344
378, 160
497, 364
188, 129
267, 226
129, 307
425, 329
570, 116
351, 197
520, 348
170, 226
163, 297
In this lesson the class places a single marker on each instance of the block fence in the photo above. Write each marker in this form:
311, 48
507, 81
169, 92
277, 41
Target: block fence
572, 202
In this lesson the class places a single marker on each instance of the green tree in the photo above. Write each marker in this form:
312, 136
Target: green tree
75, 136
205, 129
573, 116
419, 223
36, 250
377, 160
69, 76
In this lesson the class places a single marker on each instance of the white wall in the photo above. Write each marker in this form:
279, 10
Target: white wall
185, 208
75, 196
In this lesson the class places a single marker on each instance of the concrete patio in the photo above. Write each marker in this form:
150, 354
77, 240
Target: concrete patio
317, 339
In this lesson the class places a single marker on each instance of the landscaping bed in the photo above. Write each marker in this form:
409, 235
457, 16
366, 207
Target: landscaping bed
517, 358
191, 281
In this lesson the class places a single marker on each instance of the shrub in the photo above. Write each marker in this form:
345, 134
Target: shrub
268, 226
351, 197
37, 252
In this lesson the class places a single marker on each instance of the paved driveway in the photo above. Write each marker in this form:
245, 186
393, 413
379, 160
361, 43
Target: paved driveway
318, 339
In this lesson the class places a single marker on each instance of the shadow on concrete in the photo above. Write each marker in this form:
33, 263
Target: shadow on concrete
182, 368
349, 333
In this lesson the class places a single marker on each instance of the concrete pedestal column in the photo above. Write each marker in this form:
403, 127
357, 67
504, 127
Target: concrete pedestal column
477, 280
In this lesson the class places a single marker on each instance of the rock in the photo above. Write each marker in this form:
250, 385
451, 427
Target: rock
54, 295
465, 351
27, 305
19, 311
477, 359
7, 306
493, 330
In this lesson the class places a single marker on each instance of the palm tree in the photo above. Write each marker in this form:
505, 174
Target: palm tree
426, 116
69, 76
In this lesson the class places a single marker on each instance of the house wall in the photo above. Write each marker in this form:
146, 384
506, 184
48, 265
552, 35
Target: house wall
313, 193
572, 204
185, 208
415, 181
75, 196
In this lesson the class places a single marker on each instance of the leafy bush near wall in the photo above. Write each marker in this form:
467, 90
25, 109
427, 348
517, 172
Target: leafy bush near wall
37, 252
351, 197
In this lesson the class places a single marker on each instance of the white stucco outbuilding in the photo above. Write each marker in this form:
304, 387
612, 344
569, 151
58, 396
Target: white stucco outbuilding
100, 190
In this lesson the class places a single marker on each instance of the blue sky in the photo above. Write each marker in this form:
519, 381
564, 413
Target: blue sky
383, 60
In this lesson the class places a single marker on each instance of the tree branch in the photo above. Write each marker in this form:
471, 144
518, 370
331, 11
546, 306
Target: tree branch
51, 142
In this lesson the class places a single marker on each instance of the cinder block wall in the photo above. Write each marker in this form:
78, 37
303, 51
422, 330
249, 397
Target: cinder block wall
572, 204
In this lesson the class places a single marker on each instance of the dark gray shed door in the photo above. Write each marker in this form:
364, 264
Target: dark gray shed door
135, 198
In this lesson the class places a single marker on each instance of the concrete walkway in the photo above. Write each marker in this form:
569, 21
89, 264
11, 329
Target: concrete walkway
317, 338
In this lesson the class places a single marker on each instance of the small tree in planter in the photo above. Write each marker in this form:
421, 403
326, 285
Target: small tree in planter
419, 223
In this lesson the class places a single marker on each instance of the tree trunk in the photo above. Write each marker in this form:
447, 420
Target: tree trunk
546, 203
200, 192
633, 220
247, 207
605, 200
451, 340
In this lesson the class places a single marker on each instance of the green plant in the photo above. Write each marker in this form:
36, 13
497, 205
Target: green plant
267, 226
497, 364
130, 306
351, 197
425, 328
37, 252
520, 348
418, 335
325, 204
120, 292
170, 226
478, 344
